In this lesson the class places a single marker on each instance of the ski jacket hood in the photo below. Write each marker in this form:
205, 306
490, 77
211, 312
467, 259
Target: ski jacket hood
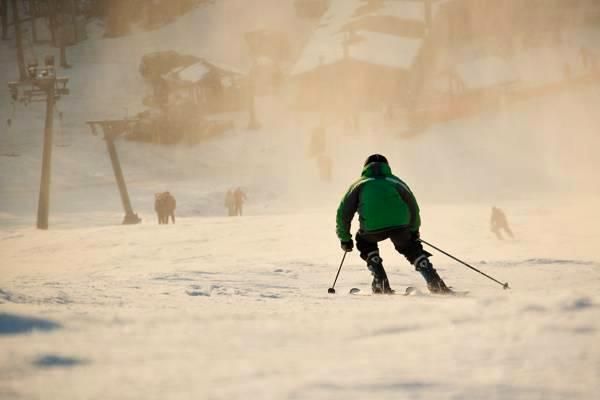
376, 169
382, 200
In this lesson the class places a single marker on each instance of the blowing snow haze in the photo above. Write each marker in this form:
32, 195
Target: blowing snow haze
243, 123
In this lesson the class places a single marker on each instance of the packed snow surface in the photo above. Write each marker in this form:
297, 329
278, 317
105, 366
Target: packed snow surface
232, 308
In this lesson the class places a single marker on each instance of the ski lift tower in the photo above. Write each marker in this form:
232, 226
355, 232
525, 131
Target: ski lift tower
42, 84
113, 129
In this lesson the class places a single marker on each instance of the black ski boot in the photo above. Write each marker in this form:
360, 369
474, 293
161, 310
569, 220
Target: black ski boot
380, 284
435, 284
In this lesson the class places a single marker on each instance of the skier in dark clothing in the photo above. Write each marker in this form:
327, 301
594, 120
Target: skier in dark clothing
238, 199
164, 205
387, 209
230, 203
499, 223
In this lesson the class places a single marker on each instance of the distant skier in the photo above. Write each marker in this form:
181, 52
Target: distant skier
387, 209
238, 198
499, 223
318, 142
230, 203
325, 166
164, 205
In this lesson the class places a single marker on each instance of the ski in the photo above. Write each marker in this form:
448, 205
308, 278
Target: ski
409, 291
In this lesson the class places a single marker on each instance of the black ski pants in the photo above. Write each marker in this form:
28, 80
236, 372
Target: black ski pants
404, 240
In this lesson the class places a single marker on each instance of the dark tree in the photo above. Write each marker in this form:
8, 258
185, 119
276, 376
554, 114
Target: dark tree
4, 18
19, 41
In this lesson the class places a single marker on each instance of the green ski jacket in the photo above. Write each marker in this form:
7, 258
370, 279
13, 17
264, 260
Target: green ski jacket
382, 200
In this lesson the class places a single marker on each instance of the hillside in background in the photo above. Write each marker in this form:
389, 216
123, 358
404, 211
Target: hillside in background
446, 161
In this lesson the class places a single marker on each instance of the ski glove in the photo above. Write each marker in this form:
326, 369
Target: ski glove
347, 245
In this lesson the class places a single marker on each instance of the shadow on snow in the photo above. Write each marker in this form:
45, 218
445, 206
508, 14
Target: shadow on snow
11, 324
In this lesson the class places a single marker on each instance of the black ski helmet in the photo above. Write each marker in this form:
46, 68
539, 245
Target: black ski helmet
376, 158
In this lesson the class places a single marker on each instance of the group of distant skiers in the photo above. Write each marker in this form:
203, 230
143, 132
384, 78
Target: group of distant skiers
234, 201
165, 204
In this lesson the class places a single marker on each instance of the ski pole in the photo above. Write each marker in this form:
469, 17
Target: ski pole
331, 290
504, 285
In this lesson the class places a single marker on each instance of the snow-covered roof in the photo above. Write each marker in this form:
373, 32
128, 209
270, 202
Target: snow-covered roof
383, 49
371, 47
409, 10
196, 72
326, 46
193, 73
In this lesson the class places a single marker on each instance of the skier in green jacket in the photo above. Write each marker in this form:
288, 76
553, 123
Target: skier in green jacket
387, 209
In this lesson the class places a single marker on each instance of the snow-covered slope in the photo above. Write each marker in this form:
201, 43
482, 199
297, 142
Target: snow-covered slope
232, 308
